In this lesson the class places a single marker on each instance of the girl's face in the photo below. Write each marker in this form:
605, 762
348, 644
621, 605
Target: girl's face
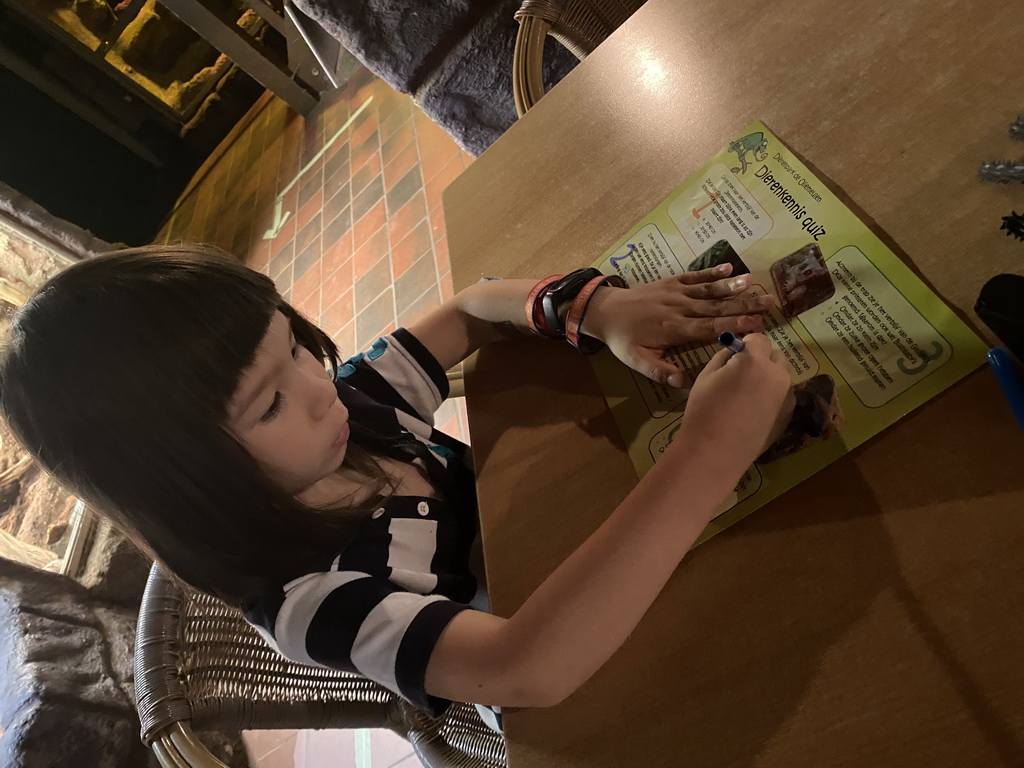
287, 414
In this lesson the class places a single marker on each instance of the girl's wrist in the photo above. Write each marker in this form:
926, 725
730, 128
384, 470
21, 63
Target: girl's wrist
720, 455
600, 312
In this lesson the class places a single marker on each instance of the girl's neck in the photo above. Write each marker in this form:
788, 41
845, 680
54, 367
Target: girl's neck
346, 487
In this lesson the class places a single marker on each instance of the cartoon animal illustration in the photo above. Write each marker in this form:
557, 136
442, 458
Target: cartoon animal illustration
755, 143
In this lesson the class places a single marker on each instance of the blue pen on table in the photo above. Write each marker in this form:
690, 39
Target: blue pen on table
1009, 381
729, 340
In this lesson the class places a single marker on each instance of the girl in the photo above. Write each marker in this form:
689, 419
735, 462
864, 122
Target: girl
175, 389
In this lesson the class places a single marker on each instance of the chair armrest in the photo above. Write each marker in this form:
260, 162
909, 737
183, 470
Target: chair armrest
528, 58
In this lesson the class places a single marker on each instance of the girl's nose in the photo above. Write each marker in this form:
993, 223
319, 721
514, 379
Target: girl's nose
324, 396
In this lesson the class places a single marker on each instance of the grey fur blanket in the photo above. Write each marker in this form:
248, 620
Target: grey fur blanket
454, 57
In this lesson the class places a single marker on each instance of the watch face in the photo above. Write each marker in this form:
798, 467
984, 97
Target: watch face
562, 291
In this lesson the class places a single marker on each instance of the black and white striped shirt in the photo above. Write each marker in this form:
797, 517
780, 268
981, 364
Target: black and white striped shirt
379, 606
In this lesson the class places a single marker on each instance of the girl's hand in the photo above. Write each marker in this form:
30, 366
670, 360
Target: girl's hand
741, 403
639, 324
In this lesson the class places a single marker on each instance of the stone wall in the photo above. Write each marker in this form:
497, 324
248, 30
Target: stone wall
67, 687
34, 246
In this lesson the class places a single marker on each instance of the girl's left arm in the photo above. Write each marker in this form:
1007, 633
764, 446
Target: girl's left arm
637, 324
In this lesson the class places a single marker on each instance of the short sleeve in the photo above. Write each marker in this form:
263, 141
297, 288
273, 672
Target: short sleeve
365, 624
400, 372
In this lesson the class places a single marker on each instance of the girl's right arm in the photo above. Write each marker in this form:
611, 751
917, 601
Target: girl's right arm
584, 611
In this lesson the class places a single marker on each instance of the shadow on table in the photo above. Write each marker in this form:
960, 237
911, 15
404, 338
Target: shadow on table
743, 644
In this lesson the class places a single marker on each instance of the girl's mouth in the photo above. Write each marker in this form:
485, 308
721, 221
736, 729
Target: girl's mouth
342, 437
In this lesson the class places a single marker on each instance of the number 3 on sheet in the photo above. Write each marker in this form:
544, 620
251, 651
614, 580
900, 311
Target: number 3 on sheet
925, 359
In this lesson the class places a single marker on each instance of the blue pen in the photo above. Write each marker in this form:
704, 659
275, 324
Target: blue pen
728, 340
1009, 382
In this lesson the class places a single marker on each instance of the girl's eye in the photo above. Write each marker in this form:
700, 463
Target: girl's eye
272, 411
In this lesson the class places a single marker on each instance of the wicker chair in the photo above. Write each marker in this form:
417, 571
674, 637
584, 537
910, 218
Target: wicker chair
199, 665
579, 25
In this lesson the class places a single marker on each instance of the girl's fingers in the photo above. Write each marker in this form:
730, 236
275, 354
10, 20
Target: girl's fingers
743, 305
719, 359
708, 329
649, 361
758, 344
720, 289
705, 275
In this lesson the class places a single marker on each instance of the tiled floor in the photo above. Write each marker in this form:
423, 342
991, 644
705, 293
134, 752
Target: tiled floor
343, 210
330, 749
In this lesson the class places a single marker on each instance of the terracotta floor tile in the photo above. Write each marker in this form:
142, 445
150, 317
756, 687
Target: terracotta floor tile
341, 224
400, 165
334, 317
282, 756
372, 162
336, 255
308, 283
311, 208
290, 199
337, 152
432, 139
337, 282
338, 177
410, 248
391, 122
259, 256
365, 200
436, 154
420, 307
364, 228
409, 215
325, 749
449, 426
346, 340
463, 435
289, 161
441, 256
263, 220
402, 138
361, 153
436, 186
408, 186
308, 307
281, 259
308, 258
261, 742
309, 233
387, 748
369, 253
364, 131
335, 117
311, 181
437, 226
339, 202
444, 282
284, 282
414, 281
285, 235
410, 762
375, 319
373, 283
389, 101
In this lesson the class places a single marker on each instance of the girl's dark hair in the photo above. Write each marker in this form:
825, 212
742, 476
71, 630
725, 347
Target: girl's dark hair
117, 377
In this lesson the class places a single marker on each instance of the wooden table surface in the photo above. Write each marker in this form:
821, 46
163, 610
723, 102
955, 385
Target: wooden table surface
874, 615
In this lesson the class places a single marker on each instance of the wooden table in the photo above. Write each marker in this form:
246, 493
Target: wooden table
873, 616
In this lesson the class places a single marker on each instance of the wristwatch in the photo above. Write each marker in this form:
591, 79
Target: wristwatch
562, 292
